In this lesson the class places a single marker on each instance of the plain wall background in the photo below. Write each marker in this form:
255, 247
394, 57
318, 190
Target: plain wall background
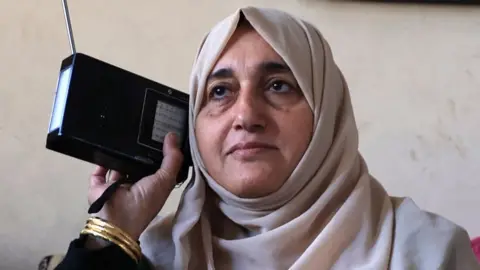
414, 73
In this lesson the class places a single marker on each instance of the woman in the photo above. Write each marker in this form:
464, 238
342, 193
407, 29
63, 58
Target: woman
279, 182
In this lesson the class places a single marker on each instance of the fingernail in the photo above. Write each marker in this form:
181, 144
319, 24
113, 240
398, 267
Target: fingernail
173, 137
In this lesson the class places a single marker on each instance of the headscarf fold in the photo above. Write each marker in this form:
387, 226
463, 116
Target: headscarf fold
330, 213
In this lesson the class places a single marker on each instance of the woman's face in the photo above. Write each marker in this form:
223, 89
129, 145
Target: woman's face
254, 124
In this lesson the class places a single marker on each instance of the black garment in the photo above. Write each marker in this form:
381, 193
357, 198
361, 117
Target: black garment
111, 257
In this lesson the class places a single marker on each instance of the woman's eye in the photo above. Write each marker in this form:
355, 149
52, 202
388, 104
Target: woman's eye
279, 86
219, 92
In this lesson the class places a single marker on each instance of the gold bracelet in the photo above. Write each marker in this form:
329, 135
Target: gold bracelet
102, 229
119, 240
111, 240
114, 235
115, 232
102, 223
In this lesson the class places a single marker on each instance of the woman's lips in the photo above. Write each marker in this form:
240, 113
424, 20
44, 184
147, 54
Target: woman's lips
250, 149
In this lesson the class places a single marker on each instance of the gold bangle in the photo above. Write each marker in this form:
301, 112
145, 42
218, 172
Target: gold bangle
129, 248
134, 248
100, 228
103, 223
117, 232
111, 240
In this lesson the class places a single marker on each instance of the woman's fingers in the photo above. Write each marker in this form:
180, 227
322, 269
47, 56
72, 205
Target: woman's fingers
95, 191
114, 176
173, 158
98, 176
100, 179
163, 181
102, 176
134, 207
154, 187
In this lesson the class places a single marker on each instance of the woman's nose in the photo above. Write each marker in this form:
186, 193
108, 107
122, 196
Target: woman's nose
249, 112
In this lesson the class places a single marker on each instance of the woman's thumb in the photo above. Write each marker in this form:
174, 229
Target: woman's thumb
163, 180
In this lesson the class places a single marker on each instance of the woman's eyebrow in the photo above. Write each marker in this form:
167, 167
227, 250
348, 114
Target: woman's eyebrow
273, 67
222, 73
263, 67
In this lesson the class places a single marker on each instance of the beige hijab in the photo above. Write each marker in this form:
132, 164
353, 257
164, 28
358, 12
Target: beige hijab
330, 213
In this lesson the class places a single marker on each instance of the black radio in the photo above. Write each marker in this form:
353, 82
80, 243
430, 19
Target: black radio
114, 118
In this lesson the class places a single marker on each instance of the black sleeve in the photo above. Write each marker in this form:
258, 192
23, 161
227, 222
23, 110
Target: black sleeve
80, 258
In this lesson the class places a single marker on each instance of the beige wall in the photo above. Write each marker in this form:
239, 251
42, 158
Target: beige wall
414, 73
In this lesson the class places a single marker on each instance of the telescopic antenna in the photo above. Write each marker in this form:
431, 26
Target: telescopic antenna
69, 26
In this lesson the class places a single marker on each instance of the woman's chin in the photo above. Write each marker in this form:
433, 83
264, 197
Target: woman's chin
253, 183
253, 178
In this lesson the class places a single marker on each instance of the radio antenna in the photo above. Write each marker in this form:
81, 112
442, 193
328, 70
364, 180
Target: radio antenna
68, 23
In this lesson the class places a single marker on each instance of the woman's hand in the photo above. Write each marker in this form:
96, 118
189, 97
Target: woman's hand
132, 208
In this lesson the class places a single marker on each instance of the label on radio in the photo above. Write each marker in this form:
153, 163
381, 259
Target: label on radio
162, 113
168, 118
